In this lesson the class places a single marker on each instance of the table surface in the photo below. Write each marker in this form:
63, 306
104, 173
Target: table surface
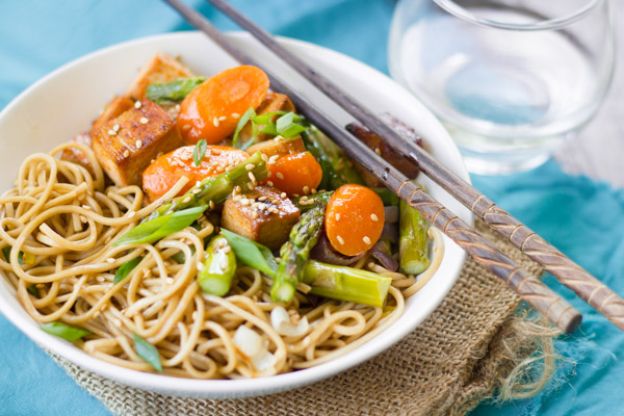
599, 148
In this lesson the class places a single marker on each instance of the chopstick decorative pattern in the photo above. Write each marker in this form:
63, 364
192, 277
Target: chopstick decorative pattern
484, 252
586, 286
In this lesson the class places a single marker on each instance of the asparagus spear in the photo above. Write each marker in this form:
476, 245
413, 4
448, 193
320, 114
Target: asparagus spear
216, 189
174, 91
346, 283
215, 278
388, 197
307, 202
327, 280
413, 240
295, 253
337, 168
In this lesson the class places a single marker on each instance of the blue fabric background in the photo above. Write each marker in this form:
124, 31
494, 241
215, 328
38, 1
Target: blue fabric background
584, 218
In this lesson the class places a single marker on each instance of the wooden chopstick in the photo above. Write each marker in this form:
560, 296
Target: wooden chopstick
570, 274
528, 287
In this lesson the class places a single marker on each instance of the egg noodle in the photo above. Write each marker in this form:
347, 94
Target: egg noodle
59, 222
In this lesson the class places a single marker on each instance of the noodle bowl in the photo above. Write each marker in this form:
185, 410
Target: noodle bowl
59, 221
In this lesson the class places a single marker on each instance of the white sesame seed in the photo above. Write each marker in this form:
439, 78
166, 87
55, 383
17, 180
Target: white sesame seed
366, 239
215, 121
111, 132
126, 153
270, 183
340, 240
283, 195
196, 191
374, 217
137, 104
279, 175
252, 178
138, 143
186, 200
337, 216
116, 127
378, 151
211, 204
143, 120
306, 189
222, 118
249, 166
235, 115
186, 127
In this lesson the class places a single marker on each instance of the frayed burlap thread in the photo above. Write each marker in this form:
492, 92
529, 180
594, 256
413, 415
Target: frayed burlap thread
458, 357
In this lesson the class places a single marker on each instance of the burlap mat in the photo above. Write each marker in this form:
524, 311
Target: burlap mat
445, 367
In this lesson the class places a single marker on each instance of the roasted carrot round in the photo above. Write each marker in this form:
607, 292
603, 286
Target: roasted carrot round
354, 219
211, 111
166, 170
295, 174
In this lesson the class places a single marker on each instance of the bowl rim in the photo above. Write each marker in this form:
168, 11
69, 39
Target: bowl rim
226, 387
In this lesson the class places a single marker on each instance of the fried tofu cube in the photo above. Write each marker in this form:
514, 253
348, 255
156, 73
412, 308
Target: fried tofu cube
264, 215
161, 68
127, 144
118, 105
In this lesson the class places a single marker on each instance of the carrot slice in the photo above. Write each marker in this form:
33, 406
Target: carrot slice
354, 219
211, 111
295, 174
166, 170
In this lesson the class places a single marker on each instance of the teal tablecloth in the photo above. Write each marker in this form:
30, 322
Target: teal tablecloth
584, 218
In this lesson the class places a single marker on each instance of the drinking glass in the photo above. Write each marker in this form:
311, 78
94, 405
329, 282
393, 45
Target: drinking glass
510, 79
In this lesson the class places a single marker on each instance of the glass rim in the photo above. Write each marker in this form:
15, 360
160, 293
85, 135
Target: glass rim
460, 12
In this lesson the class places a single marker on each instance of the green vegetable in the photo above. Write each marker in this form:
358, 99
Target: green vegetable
160, 227
289, 125
242, 122
22, 258
295, 253
62, 330
346, 283
174, 91
250, 253
216, 276
413, 240
124, 270
199, 152
388, 197
307, 202
147, 352
215, 189
338, 170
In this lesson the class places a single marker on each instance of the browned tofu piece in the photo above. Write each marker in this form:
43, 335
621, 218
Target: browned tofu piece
113, 109
279, 146
264, 215
373, 141
161, 68
126, 145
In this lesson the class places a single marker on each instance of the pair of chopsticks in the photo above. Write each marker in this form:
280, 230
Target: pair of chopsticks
528, 287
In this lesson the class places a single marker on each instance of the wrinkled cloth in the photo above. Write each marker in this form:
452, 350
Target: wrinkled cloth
583, 218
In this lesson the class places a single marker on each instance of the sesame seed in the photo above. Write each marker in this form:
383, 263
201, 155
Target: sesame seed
186, 200
215, 121
283, 195
273, 159
366, 239
306, 189
222, 118
116, 127
378, 151
340, 240
143, 120
262, 198
337, 216
137, 104
126, 153
211, 204
251, 186
111, 132
235, 115
138, 143
264, 157
270, 183
252, 178
249, 166
196, 191
279, 175
186, 127
374, 217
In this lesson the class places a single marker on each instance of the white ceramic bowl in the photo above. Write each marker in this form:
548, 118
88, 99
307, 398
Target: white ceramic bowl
63, 103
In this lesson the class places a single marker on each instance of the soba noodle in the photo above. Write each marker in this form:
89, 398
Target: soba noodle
59, 221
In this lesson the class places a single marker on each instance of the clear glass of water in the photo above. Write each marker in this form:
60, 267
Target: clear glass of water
510, 79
